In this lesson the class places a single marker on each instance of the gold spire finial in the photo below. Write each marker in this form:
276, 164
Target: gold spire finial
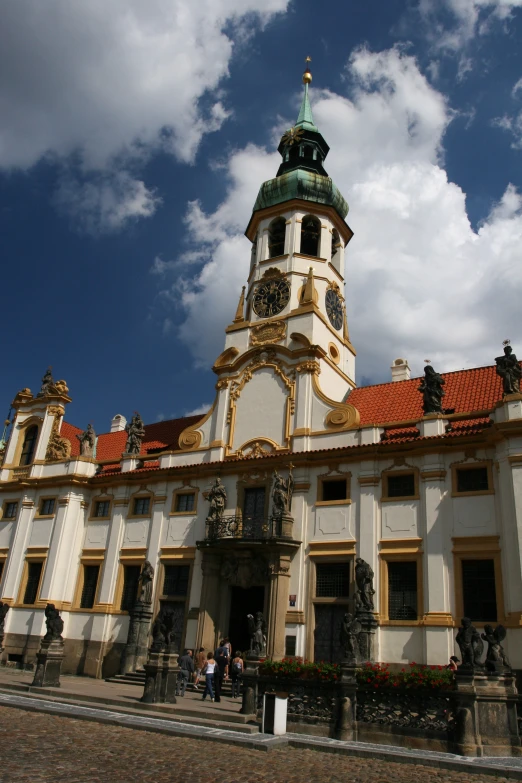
240, 307
307, 76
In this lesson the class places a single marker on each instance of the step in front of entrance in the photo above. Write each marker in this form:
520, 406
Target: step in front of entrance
138, 678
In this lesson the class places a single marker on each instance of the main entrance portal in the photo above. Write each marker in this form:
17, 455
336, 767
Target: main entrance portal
243, 602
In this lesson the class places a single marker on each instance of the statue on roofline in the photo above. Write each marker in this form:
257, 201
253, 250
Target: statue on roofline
135, 434
509, 370
87, 440
432, 391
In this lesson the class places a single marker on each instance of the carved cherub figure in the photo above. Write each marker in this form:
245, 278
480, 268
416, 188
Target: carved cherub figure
349, 638
470, 644
496, 659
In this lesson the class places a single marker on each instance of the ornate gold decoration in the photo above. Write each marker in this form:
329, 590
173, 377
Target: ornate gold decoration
222, 384
273, 273
268, 333
308, 293
256, 448
60, 387
190, 439
292, 136
227, 356
56, 410
310, 366
333, 286
240, 307
346, 416
58, 448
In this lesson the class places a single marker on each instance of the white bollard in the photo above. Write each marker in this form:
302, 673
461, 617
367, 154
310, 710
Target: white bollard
275, 708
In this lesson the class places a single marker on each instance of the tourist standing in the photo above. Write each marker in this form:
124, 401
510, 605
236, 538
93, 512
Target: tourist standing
201, 659
237, 668
186, 668
226, 643
222, 660
209, 671
453, 663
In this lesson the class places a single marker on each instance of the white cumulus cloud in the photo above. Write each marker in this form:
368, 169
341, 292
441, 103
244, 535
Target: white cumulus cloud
420, 281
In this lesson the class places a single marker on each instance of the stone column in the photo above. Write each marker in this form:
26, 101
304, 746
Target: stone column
135, 651
486, 715
279, 568
48, 664
366, 638
347, 719
210, 601
161, 674
249, 686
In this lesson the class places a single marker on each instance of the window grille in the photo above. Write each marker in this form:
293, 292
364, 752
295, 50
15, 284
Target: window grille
254, 503
176, 580
141, 505
11, 510
102, 508
332, 580
47, 507
90, 583
479, 590
185, 502
29, 445
334, 489
34, 572
402, 590
131, 576
401, 486
472, 479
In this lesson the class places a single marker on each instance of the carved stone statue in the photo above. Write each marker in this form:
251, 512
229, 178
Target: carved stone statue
135, 434
470, 644
146, 582
57, 447
163, 629
432, 391
87, 440
509, 370
282, 494
349, 638
496, 658
217, 497
47, 381
257, 629
364, 580
54, 624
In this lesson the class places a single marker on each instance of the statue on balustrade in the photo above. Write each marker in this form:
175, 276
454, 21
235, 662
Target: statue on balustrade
282, 494
217, 497
349, 639
146, 582
54, 624
496, 658
257, 630
432, 391
364, 579
87, 440
470, 644
509, 370
135, 434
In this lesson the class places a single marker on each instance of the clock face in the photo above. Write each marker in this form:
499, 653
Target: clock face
271, 297
334, 308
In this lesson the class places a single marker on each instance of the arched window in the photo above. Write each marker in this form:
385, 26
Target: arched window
336, 243
253, 252
276, 237
29, 446
310, 233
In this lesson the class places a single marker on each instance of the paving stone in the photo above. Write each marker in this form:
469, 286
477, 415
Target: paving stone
41, 747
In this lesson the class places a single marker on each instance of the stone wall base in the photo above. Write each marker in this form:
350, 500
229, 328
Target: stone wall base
81, 656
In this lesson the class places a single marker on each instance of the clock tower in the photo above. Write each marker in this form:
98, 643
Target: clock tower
288, 364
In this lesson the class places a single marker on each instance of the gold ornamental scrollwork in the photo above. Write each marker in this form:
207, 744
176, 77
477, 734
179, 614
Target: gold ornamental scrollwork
342, 418
190, 439
222, 384
268, 333
58, 448
273, 273
309, 366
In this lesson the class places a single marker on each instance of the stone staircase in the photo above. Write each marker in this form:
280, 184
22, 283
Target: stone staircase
138, 678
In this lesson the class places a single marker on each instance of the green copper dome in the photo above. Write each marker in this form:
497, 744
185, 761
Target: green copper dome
301, 174
303, 184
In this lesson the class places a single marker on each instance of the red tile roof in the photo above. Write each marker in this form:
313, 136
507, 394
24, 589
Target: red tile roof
158, 437
70, 432
466, 391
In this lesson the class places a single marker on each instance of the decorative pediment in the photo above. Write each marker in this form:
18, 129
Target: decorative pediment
273, 273
268, 333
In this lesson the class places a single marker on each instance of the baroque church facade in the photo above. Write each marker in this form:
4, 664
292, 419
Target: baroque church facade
266, 502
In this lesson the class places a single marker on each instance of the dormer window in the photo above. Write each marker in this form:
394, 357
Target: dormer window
310, 233
31, 436
276, 237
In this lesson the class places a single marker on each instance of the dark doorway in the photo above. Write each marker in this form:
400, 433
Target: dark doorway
328, 621
254, 503
243, 602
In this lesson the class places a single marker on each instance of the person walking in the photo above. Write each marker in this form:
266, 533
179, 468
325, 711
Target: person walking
186, 668
222, 660
209, 671
201, 659
237, 668
226, 643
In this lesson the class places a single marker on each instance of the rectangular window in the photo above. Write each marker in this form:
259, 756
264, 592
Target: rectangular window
290, 642
11, 510
254, 503
102, 508
176, 580
141, 505
401, 486
402, 590
334, 489
479, 590
34, 572
472, 479
332, 580
47, 506
185, 502
131, 577
90, 583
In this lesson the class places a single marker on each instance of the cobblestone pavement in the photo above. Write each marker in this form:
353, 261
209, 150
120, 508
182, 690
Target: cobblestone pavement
38, 747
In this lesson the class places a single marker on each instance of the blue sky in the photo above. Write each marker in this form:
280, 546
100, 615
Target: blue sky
134, 138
